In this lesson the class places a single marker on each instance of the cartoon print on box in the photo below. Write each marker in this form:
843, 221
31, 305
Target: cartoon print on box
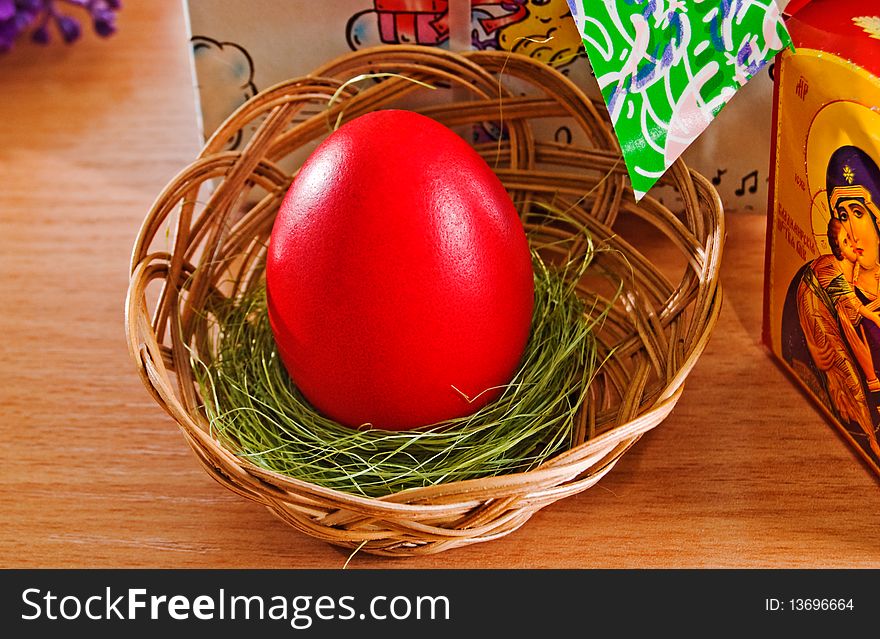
541, 29
545, 32
238, 49
399, 22
226, 80
833, 299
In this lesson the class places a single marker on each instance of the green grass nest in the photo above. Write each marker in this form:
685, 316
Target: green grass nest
256, 411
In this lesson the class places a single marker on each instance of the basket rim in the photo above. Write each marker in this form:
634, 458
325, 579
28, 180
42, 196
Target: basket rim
563, 474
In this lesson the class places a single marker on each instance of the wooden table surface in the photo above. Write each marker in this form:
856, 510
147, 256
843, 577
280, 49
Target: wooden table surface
744, 473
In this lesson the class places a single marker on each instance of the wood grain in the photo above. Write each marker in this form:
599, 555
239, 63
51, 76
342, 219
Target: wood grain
744, 473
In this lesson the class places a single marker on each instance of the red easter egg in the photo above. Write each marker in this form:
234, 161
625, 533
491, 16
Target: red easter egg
399, 276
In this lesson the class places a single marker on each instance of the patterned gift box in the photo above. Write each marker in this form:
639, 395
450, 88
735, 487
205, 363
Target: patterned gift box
240, 48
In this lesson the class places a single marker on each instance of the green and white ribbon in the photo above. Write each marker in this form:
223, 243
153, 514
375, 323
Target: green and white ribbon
667, 67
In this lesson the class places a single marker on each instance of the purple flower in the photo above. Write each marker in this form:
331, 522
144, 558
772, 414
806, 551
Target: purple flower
40, 35
69, 28
7, 9
104, 21
16, 16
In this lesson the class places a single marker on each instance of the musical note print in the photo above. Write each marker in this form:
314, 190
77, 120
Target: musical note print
716, 180
563, 134
753, 187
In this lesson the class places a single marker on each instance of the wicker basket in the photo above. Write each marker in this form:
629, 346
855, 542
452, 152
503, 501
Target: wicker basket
207, 232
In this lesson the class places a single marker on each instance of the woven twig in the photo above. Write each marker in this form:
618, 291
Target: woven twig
205, 237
